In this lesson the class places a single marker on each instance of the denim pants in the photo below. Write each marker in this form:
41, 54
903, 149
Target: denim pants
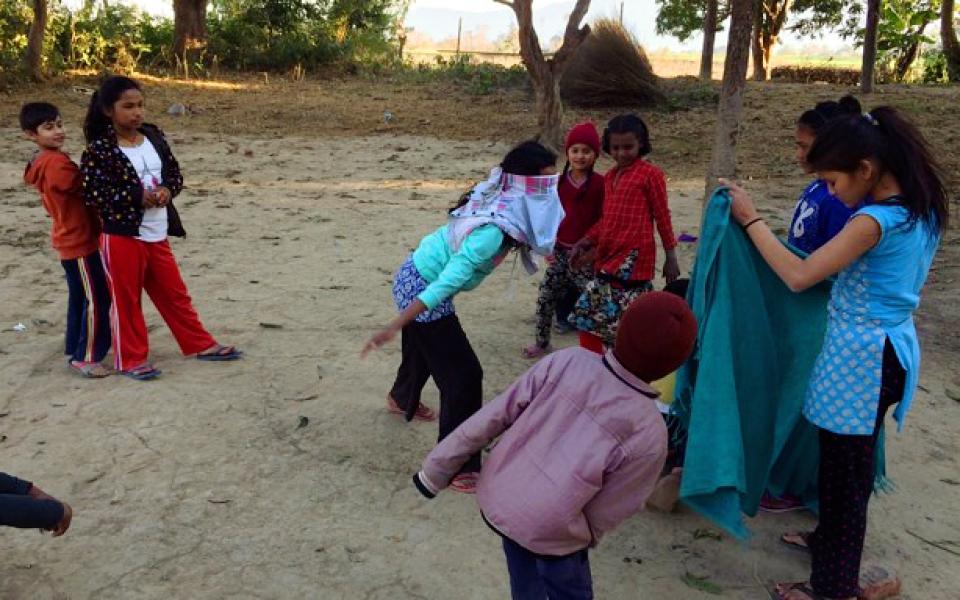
535, 577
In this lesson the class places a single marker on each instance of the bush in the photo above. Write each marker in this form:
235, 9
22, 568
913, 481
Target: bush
242, 34
933, 67
15, 20
610, 69
479, 79
814, 74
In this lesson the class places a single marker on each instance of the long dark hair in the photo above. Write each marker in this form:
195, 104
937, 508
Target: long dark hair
528, 158
820, 115
97, 122
887, 137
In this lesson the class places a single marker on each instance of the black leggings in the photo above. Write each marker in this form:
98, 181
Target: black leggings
440, 349
846, 480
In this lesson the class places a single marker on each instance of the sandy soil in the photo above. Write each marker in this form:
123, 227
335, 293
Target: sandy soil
281, 476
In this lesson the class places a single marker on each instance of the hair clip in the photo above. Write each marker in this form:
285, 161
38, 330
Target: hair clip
870, 118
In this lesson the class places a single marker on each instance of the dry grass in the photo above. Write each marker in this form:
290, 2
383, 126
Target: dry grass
348, 107
610, 69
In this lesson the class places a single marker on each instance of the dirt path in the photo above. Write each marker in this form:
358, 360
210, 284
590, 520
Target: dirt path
209, 483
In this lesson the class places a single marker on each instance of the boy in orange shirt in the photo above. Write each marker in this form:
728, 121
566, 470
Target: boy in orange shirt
75, 234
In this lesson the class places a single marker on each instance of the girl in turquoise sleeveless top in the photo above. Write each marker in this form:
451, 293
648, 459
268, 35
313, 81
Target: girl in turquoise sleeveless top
870, 358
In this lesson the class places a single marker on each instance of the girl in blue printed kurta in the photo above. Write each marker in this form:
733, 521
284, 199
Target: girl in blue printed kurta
517, 207
870, 359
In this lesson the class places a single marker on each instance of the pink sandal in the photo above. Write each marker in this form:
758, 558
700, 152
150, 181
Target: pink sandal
423, 413
465, 483
535, 351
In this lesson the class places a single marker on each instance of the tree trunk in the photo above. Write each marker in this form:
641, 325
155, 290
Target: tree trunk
770, 17
910, 54
870, 47
730, 110
709, 41
546, 74
38, 28
951, 45
189, 29
756, 42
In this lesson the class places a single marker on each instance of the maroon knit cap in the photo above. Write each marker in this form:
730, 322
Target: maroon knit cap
655, 335
584, 133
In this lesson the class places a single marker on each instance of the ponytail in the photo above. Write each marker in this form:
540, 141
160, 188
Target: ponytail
884, 135
97, 123
820, 115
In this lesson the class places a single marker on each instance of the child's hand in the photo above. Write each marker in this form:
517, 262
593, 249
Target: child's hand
741, 207
162, 195
378, 339
582, 253
64, 524
671, 268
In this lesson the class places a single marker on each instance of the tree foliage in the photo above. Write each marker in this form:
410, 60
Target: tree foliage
241, 34
684, 18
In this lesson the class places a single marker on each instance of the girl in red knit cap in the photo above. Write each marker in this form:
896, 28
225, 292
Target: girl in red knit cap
581, 194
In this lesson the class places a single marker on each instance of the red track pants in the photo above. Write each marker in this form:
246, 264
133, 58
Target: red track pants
134, 266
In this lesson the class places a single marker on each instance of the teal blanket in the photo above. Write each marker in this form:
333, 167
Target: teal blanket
739, 396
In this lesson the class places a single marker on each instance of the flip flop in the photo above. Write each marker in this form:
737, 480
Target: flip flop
465, 483
878, 582
803, 588
803, 535
221, 353
90, 370
421, 413
144, 372
534, 351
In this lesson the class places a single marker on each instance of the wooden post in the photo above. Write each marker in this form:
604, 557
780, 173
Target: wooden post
459, 34
621, 13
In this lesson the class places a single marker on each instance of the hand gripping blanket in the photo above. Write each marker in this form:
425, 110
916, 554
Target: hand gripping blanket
739, 396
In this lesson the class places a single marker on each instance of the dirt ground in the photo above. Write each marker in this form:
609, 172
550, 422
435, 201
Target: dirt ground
281, 476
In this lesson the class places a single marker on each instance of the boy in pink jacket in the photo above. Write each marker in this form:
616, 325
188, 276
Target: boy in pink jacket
581, 446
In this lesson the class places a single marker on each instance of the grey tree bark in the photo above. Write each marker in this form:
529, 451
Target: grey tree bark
730, 111
547, 73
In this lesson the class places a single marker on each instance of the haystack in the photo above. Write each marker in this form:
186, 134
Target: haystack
610, 69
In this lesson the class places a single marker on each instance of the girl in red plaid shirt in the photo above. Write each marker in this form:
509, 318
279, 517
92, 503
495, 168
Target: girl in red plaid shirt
621, 245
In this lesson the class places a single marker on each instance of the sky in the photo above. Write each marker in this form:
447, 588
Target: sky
438, 19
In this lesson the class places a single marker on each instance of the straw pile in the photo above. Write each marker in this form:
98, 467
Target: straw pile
610, 69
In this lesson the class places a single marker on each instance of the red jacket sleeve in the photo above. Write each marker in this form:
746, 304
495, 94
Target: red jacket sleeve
657, 193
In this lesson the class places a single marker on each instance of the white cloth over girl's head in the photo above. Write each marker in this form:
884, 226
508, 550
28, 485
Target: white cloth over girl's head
527, 208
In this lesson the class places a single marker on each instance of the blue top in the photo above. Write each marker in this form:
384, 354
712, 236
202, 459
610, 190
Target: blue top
873, 300
448, 271
819, 216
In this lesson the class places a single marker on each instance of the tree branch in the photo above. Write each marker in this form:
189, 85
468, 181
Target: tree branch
573, 36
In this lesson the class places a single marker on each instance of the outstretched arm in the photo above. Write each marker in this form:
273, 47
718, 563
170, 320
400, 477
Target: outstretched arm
860, 235
445, 460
